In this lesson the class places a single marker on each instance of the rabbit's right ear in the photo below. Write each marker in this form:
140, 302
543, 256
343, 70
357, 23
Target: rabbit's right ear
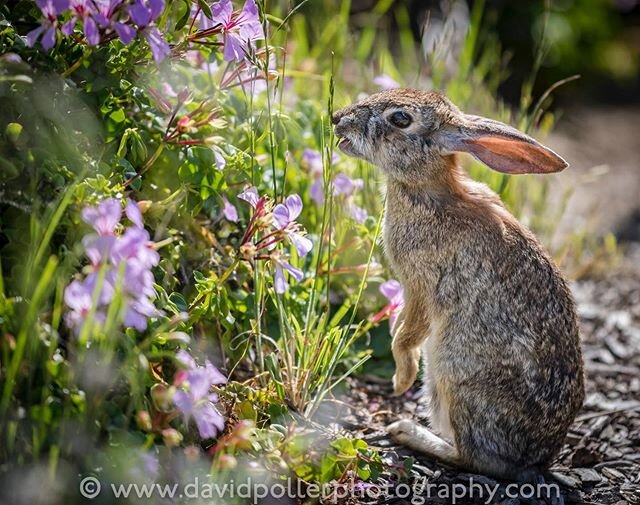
502, 147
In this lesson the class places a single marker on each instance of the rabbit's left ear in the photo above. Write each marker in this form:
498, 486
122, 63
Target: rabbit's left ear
502, 147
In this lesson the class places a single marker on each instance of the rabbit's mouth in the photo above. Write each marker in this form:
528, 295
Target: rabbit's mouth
346, 146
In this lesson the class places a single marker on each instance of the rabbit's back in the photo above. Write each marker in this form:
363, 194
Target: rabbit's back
503, 357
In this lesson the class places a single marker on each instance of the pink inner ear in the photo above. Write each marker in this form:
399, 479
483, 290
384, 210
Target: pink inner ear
513, 156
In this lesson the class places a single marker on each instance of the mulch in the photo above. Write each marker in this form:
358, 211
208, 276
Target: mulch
600, 461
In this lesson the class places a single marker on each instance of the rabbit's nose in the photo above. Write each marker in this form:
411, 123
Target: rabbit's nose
335, 119
342, 123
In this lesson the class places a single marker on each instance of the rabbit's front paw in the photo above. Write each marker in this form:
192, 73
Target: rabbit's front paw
406, 372
402, 380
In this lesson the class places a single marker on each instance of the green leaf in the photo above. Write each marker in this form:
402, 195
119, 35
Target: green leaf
179, 301
205, 8
185, 16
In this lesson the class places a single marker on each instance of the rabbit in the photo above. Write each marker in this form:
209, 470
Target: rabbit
485, 305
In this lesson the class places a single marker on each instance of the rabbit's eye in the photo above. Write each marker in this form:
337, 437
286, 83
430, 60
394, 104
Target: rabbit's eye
400, 119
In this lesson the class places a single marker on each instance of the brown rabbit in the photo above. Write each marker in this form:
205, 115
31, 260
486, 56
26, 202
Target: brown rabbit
485, 305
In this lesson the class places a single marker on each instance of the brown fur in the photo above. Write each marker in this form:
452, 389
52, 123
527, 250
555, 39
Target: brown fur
485, 305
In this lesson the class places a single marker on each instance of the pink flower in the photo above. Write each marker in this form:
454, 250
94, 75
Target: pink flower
393, 292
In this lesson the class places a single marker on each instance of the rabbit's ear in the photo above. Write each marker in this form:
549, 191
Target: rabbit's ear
503, 148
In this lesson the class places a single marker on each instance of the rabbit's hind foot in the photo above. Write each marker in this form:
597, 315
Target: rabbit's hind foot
415, 436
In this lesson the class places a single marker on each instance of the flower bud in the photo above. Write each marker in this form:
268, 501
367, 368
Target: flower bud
162, 397
248, 251
143, 420
171, 437
226, 462
192, 453
186, 125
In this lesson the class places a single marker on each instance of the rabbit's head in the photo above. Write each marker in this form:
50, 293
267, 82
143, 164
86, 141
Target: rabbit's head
408, 133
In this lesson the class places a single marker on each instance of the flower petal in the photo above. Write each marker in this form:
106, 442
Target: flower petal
392, 291
345, 185
139, 14
159, 47
49, 38
302, 244
125, 33
229, 211
295, 272
68, 27
155, 8
105, 217
385, 82
250, 195
316, 191
279, 282
281, 217
33, 35
133, 213
358, 214
221, 12
294, 204
91, 31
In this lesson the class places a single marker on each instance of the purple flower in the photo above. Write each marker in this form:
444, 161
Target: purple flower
250, 195
106, 16
133, 213
196, 401
78, 296
358, 214
313, 160
50, 10
128, 259
83, 9
138, 312
98, 247
229, 211
316, 191
284, 216
135, 246
105, 217
385, 82
144, 12
345, 185
280, 282
220, 161
239, 31
159, 47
